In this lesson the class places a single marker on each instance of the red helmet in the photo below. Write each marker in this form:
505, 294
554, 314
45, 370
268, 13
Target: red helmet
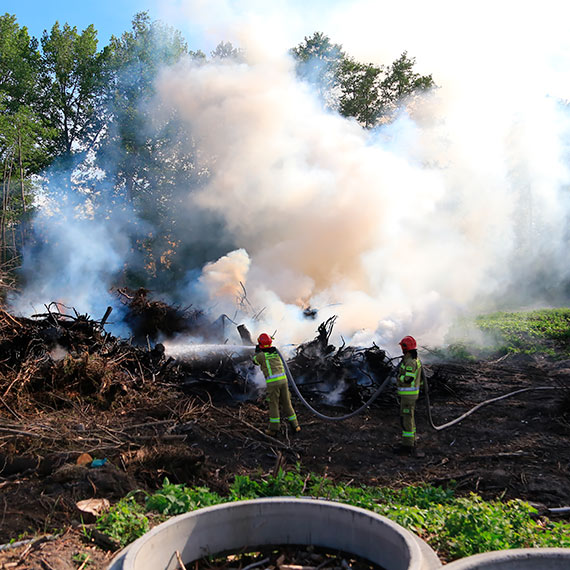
408, 343
264, 340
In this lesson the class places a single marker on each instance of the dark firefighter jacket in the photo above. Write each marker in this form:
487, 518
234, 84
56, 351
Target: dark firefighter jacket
270, 363
409, 376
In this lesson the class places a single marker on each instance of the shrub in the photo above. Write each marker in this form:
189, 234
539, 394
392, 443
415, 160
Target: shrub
124, 522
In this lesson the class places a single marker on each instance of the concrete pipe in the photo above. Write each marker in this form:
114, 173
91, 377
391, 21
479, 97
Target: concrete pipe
231, 527
516, 559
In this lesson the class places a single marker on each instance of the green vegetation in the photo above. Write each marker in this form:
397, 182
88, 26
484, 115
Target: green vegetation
82, 559
175, 499
454, 526
80, 120
529, 332
124, 522
372, 94
545, 331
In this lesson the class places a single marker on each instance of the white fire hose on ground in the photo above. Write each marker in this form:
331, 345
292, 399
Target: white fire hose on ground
475, 408
379, 390
383, 387
331, 418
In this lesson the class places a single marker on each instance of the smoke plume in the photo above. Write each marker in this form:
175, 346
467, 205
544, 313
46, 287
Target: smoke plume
460, 205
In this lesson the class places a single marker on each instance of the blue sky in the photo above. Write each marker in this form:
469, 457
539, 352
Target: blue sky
203, 23
110, 17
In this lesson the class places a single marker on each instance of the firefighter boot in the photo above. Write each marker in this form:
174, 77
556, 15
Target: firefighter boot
402, 449
417, 453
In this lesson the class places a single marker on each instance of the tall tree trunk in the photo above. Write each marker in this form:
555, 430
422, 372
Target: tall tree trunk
23, 220
3, 213
21, 165
7, 180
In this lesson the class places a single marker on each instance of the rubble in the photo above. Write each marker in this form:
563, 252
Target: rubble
72, 395
352, 374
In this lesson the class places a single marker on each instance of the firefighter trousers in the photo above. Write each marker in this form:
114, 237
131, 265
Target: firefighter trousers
278, 397
408, 420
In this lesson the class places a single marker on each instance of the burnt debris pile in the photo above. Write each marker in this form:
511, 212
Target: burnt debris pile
150, 319
345, 376
59, 356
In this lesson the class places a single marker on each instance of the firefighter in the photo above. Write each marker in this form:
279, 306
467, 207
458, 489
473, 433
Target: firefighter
273, 368
408, 382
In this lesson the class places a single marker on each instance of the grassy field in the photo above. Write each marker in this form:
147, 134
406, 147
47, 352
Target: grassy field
453, 526
545, 331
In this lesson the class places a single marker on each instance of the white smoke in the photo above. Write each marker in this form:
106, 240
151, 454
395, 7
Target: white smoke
463, 199
396, 231
75, 258
225, 277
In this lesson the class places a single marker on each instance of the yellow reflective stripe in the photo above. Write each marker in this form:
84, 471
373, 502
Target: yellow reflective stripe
267, 362
275, 378
280, 375
274, 420
407, 372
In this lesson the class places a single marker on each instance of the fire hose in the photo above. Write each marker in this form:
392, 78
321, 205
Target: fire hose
382, 387
322, 416
475, 408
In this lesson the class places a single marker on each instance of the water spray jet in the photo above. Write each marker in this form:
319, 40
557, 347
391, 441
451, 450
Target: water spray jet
205, 353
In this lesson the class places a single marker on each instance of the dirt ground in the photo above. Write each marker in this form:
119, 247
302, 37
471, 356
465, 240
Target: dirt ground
514, 448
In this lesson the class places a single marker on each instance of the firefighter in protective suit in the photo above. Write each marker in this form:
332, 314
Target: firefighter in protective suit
268, 359
408, 382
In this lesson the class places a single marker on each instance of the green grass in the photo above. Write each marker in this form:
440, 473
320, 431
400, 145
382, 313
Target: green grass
124, 522
545, 331
454, 526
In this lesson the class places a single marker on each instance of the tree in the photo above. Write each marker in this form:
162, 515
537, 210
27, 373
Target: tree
19, 65
26, 142
318, 62
137, 56
360, 91
147, 150
401, 82
225, 50
75, 81
367, 92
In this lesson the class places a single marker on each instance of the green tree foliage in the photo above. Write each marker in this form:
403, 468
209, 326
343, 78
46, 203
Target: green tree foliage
74, 75
361, 96
131, 144
19, 65
369, 93
26, 142
318, 62
401, 81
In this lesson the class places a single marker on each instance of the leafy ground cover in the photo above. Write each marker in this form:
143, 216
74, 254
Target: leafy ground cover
529, 332
488, 482
454, 526
545, 331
